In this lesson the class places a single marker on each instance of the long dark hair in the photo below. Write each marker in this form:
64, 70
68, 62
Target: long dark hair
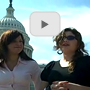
80, 50
6, 38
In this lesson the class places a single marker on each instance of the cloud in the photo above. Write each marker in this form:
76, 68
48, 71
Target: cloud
80, 23
43, 61
56, 57
71, 17
78, 18
43, 46
46, 61
28, 9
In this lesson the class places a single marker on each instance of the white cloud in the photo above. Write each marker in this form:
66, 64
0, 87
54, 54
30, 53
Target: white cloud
80, 23
75, 17
78, 18
28, 9
56, 57
43, 61
46, 61
35, 47
43, 46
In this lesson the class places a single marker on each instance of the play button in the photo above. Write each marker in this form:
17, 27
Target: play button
43, 24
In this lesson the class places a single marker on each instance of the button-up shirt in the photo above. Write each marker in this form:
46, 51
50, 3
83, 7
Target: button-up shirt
21, 76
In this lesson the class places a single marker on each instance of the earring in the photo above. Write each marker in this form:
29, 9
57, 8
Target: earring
59, 51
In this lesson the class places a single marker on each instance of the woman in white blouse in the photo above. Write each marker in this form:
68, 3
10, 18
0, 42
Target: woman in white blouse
16, 68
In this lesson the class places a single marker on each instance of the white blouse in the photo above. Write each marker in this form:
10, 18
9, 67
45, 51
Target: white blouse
21, 76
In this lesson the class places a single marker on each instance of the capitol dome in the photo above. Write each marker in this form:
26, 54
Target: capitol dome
10, 22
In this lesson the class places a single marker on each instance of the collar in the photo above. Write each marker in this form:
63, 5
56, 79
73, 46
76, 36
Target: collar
20, 60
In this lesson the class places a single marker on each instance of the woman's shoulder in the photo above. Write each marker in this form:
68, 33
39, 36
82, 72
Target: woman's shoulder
83, 61
47, 69
33, 62
50, 65
85, 58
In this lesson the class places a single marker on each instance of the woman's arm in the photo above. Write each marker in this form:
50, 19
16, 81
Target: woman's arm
65, 85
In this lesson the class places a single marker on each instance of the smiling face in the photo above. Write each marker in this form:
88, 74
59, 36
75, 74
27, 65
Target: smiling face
69, 43
16, 46
11, 42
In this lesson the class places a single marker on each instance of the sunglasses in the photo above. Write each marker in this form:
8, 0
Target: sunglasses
68, 37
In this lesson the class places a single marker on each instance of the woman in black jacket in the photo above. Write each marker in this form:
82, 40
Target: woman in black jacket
73, 70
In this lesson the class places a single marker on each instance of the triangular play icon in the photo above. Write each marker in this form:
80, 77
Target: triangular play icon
43, 24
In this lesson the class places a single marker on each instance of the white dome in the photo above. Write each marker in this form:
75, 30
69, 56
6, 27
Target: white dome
7, 23
10, 21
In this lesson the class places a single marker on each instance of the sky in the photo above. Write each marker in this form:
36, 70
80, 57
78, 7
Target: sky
73, 13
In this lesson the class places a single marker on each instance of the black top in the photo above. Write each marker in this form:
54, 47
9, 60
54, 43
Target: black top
80, 75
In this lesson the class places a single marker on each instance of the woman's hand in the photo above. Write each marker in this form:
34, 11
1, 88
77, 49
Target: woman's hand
73, 86
60, 85
65, 85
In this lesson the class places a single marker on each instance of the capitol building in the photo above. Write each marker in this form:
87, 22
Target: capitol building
10, 22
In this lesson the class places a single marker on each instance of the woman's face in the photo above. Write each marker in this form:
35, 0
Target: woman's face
16, 46
69, 43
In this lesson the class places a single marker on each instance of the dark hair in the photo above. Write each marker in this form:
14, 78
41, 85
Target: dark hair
80, 50
6, 38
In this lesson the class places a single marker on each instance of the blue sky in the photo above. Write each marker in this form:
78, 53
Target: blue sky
74, 13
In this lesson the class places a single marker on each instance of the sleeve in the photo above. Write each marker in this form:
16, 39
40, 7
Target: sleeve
45, 73
36, 71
